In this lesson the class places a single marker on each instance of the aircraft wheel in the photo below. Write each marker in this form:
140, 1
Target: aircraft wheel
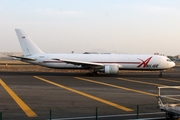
89, 74
169, 116
160, 75
94, 73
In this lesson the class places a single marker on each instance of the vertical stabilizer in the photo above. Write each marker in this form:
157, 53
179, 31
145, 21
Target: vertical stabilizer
27, 45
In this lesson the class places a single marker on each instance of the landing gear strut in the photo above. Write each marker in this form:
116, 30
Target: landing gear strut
160, 74
92, 72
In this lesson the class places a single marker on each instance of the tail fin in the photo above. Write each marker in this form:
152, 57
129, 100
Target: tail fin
27, 45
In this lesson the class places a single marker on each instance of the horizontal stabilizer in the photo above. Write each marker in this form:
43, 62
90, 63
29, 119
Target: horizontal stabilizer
23, 58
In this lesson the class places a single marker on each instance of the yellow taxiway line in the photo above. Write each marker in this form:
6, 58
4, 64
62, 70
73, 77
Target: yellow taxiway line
128, 89
169, 80
141, 82
86, 95
136, 81
21, 104
115, 86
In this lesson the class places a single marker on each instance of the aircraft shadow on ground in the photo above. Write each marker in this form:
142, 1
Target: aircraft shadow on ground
124, 75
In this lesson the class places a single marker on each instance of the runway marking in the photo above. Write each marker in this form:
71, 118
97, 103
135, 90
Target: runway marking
21, 104
115, 86
169, 80
86, 95
159, 85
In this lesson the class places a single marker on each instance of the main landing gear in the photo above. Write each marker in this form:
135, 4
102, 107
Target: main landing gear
160, 74
92, 72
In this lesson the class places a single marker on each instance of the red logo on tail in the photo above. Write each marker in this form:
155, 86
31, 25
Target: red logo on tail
144, 63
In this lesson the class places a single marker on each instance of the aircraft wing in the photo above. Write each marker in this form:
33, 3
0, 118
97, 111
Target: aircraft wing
23, 58
82, 63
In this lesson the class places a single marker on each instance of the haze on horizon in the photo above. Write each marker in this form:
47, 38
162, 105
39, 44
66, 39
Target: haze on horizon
122, 26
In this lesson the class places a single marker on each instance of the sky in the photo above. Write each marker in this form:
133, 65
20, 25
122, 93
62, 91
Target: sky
117, 26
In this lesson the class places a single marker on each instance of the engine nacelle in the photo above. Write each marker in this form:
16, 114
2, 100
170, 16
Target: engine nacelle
111, 69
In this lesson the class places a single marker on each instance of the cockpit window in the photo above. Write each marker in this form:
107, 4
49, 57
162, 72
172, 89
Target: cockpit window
168, 60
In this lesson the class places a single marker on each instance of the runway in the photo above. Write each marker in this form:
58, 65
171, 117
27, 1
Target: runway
70, 96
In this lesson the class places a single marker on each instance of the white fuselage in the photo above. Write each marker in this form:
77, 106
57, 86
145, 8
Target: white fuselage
124, 61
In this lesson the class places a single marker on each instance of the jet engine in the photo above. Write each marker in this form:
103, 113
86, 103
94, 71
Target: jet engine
110, 69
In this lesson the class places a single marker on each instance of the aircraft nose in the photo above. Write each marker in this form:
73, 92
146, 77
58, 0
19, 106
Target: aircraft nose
172, 64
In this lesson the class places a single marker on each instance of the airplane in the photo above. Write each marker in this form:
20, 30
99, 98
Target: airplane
95, 63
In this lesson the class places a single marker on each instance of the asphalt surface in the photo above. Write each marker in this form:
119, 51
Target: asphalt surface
71, 96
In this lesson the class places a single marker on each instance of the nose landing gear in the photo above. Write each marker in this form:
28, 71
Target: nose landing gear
160, 74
